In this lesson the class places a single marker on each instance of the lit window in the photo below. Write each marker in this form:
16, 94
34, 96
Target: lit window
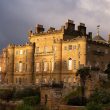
17, 67
45, 66
21, 52
52, 65
70, 47
37, 67
0, 69
20, 67
70, 64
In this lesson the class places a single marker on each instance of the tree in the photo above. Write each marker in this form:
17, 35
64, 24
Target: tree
84, 74
107, 71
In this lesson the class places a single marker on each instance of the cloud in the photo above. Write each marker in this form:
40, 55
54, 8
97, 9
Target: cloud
18, 16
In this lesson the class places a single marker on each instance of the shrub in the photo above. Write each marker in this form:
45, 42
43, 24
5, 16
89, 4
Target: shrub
94, 106
33, 100
6, 94
77, 101
19, 94
74, 93
100, 96
24, 107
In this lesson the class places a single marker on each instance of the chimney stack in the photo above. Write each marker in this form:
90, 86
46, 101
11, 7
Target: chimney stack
82, 29
39, 29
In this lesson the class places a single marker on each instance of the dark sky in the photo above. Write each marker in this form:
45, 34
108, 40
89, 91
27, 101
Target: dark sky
19, 16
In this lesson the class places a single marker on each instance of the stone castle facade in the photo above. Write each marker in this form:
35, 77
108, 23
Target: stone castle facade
55, 55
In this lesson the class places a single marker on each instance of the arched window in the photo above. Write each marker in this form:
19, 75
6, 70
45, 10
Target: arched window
70, 64
37, 67
20, 66
45, 66
52, 64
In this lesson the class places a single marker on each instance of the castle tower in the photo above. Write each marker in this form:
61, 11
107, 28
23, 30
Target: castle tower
10, 64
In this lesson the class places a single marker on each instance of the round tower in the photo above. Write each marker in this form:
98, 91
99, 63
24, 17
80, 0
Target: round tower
10, 64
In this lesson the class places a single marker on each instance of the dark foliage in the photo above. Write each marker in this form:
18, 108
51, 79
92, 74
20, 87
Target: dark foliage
33, 100
77, 101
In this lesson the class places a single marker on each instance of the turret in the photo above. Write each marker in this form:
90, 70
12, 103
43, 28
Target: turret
82, 29
39, 29
70, 26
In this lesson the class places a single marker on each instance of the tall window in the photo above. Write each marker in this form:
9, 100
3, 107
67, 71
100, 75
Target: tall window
65, 47
21, 52
0, 69
45, 66
52, 65
37, 49
45, 49
20, 66
17, 52
37, 67
74, 64
70, 64
70, 47
17, 66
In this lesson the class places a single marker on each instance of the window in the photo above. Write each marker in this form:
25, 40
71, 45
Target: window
78, 46
54, 48
70, 64
65, 47
74, 64
17, 52
24, 52
70, 47
20, 67
0, 69
74, 46
37, 50
79, 54
52, 65
37, 67
21, 52
26, 67
17, 67
45, 49
16, 80
45, 66
106, 51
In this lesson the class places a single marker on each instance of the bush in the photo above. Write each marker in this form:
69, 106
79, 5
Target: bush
24, 107
94, 106
6, 94
100, 96
74, 93
19, 94
33, 100
77, 101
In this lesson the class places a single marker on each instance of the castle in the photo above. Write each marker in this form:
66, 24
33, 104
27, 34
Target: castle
53, 55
